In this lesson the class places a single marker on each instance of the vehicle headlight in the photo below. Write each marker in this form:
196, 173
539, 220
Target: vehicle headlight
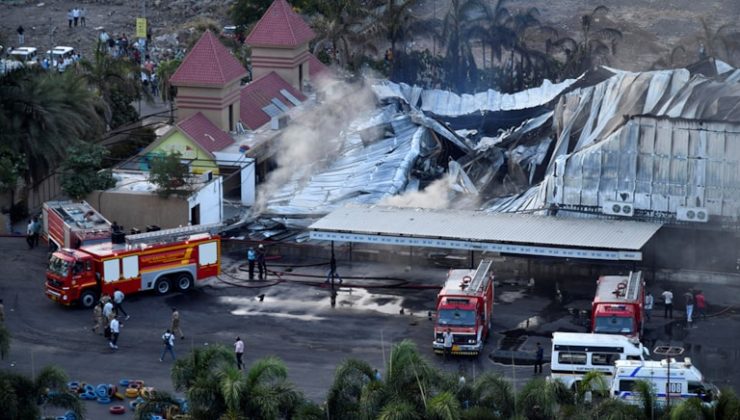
439, 340
471, 341
64, 297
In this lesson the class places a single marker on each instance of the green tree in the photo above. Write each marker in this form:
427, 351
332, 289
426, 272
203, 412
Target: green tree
541, 399
155, 403
165, 70
42, 114
25, 398
169, 174
117, 81
341, 24
245, 13
82, 173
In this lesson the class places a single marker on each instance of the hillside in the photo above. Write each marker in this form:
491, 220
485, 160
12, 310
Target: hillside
651, 28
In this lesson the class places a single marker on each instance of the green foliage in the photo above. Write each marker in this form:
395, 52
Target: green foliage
244, 13
23, 398
81, 171
169, 174
42, 114
156, 403
165, 70
10, 170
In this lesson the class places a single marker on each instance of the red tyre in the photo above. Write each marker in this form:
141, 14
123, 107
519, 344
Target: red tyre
117, 409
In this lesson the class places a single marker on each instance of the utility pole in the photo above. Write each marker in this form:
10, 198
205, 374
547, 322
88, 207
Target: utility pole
669, 352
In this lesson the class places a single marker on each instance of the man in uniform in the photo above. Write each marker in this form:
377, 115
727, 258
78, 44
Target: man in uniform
175, 327
98, 319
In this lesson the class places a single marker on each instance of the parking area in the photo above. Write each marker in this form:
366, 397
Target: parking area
294, 320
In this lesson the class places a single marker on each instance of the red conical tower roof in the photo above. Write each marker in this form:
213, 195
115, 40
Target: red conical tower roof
280, 26
209, 63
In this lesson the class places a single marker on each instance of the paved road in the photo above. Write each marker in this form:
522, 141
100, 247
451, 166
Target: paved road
296, 323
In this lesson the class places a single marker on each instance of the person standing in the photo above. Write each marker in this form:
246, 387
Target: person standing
29, 233
649, 301
689, 298
668, 301
97, 318
251, 259
261, 265
83, 13
76, 15
107, 309
118, 297
168, 339
21, 37
175, 327
36, 231
539, 359
70, 18
115, 330
447, 343
239, 351
699, 301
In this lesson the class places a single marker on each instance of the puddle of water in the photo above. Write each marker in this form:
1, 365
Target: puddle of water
531, 322
510, 296
270, 306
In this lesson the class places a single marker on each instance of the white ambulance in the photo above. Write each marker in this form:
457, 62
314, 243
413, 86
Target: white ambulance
686, 381
575, 354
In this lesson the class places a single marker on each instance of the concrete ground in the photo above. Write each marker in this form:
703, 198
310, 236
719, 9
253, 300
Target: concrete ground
296, 322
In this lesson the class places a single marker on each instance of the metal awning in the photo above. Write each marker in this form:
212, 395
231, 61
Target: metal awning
523, 234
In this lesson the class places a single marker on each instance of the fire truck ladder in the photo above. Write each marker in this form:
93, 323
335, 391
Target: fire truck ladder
171, 235
633, 285
478, 283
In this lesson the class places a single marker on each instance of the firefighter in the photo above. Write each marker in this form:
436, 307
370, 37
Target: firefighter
98, 319
175, 328
261, 266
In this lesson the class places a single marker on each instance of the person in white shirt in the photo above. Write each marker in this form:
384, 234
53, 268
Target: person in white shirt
447, 343
169, 345
648, 305
668, 300
108, 311
239, 351
115, 329
117, 301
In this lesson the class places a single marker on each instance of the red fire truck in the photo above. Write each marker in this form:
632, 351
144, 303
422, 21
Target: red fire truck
161, 261
69, 224
619, 305
465, 307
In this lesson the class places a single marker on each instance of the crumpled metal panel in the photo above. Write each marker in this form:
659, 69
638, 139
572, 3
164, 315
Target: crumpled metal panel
448, 104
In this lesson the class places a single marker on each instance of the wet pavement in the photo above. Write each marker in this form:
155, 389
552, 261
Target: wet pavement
291, 316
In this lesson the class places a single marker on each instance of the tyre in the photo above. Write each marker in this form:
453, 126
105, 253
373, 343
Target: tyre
162, 286
184, 282
117, 409
88, 299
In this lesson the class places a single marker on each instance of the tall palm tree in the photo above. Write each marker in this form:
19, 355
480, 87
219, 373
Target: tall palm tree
541, 399
493, 394
339, 25
25, 398
117, 81
155, 403
197, 375
42, 114
593, 48
343, 400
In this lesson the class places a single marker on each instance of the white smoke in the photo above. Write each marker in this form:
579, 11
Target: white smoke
437, 195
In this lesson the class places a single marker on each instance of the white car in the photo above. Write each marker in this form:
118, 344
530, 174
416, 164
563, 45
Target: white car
26, 55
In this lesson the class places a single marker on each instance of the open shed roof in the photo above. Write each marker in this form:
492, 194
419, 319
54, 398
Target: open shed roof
495, 232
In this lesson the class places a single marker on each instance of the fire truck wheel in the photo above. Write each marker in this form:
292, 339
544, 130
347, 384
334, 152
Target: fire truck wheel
184, 282
87, 299
162, 286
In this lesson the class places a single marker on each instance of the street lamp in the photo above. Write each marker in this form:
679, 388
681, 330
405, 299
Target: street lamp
668, 352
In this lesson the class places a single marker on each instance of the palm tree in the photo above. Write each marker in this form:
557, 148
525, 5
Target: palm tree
25, 398
345, 395
156, 403
197, 375
595, 45
541, 399
614, 409
339, 25
42, 114
117, 82
492, 393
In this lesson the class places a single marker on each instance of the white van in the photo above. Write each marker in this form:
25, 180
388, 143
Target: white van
575, 354
685, 382
25, 55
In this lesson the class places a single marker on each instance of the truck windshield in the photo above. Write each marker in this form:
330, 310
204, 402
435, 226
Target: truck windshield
59, 266
456, 317
613, 325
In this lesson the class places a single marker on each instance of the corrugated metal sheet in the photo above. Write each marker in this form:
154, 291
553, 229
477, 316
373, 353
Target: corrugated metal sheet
489, 227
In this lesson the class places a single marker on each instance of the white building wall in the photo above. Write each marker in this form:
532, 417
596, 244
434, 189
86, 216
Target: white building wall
247, 173
211, 200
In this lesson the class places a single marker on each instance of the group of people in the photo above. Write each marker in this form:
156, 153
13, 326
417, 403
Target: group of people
33, 231
76, 16
692, 299
257, 258
106, 316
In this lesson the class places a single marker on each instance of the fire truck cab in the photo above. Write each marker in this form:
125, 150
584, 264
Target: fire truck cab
465, 307
160, 261
618, 307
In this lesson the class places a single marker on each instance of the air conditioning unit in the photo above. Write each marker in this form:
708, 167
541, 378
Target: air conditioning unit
692, 214
279, 122
618, 208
